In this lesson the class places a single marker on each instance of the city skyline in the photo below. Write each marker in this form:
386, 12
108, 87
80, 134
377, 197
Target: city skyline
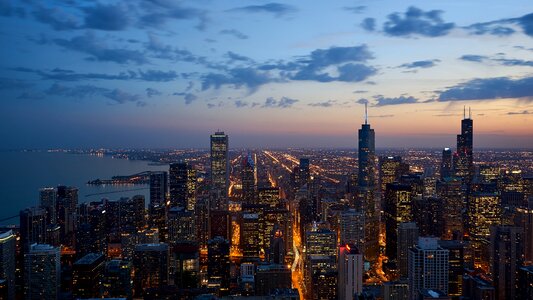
165, 74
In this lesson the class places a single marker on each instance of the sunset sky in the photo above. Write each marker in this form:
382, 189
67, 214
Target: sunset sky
163, 73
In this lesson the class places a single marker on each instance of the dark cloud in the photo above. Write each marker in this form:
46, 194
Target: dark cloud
188, 97
240, 104
501, 27
338, 55
381, 116
283, 102
156, 75
151, 92
235, 33
8, 10
106, 17
238, 77
489, 88
420, 64
383, 101
355, 9
97, 50
524, 112
159, 13
474, 58
355, 72
31, 95
57, 18
277, 9
328, 103
362, 101
80, 91
369, 24
417, 22
514, 62
526, 22
237, 57
121, 97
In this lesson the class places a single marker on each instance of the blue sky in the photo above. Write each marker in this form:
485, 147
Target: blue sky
164, 73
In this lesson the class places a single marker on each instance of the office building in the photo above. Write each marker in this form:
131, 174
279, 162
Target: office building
407, 239
87, 276
350, 270
7, 262
218, 264
42, 272
398, 209
219, 170
428, 267
269, 277
463, 159
506, 257
151, 267
446, 167
249, 179
451, 192
117, 279
181, 225
158, 187
352, 228
67, 204
48, 201
182, 185
395, 290
391, 168
250, 231
33, 224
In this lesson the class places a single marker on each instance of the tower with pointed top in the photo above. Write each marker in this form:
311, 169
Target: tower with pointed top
463, 157
368, 196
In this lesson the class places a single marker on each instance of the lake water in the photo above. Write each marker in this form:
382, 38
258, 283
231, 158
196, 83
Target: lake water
22, 174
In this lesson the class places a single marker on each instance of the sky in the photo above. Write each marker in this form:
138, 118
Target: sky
165, 73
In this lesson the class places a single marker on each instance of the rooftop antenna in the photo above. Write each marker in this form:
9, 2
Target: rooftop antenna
366, 113
464, 112
469, 113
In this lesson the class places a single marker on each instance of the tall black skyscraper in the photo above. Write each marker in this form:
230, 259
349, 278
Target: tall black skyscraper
158, 187
7, 263
368, 197
182, 185
304, 173
463, 158
219, 170
249, 179
446, 163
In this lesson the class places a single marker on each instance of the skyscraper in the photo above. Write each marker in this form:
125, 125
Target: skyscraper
219, 170
368, 196
463, 157
151, 265
446, 164
218, 264
428, 267
87, 276
352, 227
182, 185
67, 203
407, 239
42, 272
304, 172
7, 262
398, 209
249, 179
350, 272
158, 187
506, 257
47, 200
391, 168
32, 227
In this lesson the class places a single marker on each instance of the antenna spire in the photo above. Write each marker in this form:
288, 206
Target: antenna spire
366, 113
469, 113
464, 112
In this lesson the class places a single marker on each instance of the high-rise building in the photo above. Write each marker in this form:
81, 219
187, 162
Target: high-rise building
368, 190
321, 241
350, 272
506, 257
398, 209
395, 290
91, 234
446, 167
459, 258
269, 277
181, 225
428, 267
407, 239
304, 172
7, 263
391, 168
182, 185
249, 179
218, 264
116, 280
151, 267
67, 204
42, 272
32, 227
87, 276
48, 201
269, 196
484, 210
453, 197
250, 231
352, 228
158, 187
463, 158
219, 170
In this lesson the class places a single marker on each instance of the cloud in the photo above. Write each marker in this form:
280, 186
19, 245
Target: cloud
514, 62
420, 64
369, 24
97, 50
240, 103
80, 91
238, 77
328, 103
150, 92
69, 75
489, 88
31, 95
355, 9
383, 101
417, 22
360, 92
501, 27
237, 57
234, 33
8, 10
159, 13
473, 58
381, 116
524, 112
156, 75
283, 102
13, 84
362, 101
188, 97
355, 72
56, 17
106, 17
277, 9
120, 96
